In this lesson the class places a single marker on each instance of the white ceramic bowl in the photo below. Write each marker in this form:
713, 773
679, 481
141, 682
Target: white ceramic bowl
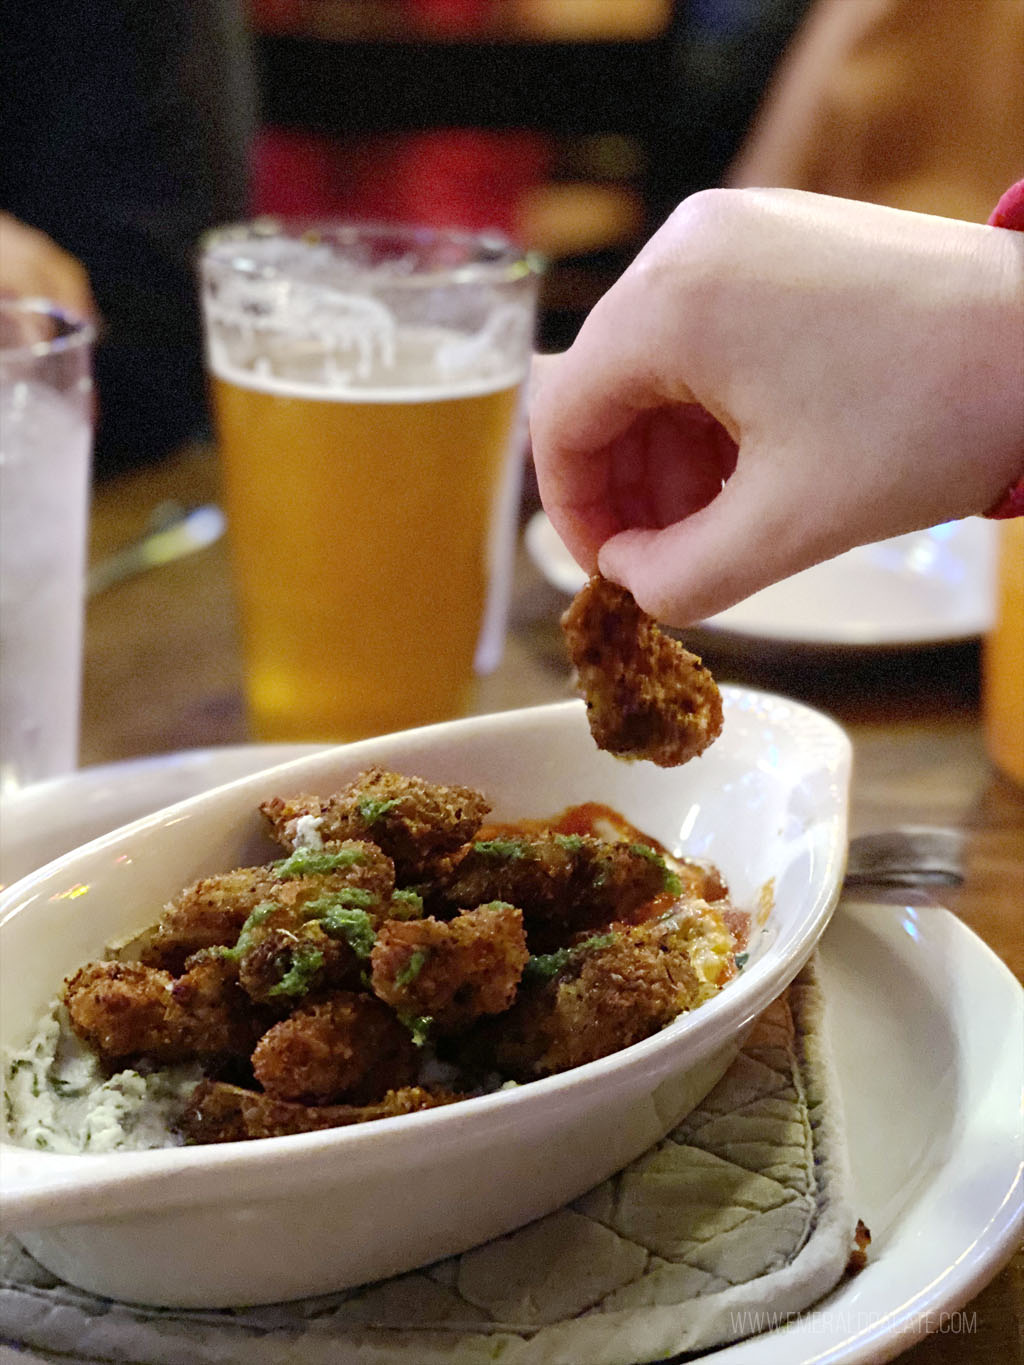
279, 1218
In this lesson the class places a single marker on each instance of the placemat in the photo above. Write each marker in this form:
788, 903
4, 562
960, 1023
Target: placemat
740, 1217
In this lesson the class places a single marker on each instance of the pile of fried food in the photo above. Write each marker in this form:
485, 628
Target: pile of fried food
403, 955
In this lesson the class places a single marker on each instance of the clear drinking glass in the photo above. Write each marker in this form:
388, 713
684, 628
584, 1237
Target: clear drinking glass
367, 385
45, 450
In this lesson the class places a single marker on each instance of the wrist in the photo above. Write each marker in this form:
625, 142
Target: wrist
1009, 213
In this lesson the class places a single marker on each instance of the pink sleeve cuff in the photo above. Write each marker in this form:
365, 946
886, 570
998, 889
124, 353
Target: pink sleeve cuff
1009, 213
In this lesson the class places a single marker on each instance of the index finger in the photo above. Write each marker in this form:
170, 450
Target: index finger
583, 405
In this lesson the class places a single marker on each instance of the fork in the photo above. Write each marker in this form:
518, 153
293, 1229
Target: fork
909, 855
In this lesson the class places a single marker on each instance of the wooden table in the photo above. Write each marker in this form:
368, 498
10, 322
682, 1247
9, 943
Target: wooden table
162, 673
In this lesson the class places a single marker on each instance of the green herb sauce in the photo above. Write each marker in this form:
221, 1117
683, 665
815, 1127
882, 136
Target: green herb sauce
354, 925
546, 966
419, 1026
306, 962
349, 897
247, 937
670, 879
309, 862
507, 849
412, 968
406, 905
372, 809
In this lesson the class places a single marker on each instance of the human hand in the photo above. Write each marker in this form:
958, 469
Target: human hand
778, 377
34, 266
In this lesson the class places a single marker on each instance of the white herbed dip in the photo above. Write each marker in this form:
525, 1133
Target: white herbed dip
58, 1098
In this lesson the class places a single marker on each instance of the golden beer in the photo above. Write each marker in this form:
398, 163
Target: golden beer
359, 533
366, 383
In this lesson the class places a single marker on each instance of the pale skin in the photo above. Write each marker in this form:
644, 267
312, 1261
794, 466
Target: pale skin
32, 265
778, 377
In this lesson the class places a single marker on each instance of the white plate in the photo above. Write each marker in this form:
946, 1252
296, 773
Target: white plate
927, 587
934, 1131
925, 1023
49, 818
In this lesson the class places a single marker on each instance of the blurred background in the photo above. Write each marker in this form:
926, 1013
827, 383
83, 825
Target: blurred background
573, 125
134, 126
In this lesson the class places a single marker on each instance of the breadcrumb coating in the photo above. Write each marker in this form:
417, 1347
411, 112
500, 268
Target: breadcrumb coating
608, 992
126, 1009
350, 1047
646, 696
206, 914
212, 912
218, 1112
452, 972
568, 881
417, 823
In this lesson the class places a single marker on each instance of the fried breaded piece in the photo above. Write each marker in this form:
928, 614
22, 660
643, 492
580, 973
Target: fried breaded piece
125, 1009
221, 1020
206, 914
607, 993
646, 696
122, 1009
313, 936
451, 971
217, 1112
286, 966
214, 911
348, 1047
573, 881
357, 863
417, 823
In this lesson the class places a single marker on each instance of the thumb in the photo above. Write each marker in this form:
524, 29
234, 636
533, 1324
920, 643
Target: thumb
751, 534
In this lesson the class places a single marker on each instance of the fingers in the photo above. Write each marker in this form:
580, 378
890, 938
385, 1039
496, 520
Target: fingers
34, 266
750, 535
573, 480
667, 464
75, 293
605, 414
605, 449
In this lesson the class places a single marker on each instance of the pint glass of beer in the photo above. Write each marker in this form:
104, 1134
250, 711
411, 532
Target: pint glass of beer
367, 385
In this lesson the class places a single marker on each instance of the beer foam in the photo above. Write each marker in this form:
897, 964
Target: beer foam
419, 364
302, 318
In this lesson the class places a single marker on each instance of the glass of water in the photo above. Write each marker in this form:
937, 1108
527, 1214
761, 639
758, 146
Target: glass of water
45, 449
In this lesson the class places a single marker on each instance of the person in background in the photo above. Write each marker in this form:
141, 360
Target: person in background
723, 57
780, 376
126, 135
32, 265
918, 104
